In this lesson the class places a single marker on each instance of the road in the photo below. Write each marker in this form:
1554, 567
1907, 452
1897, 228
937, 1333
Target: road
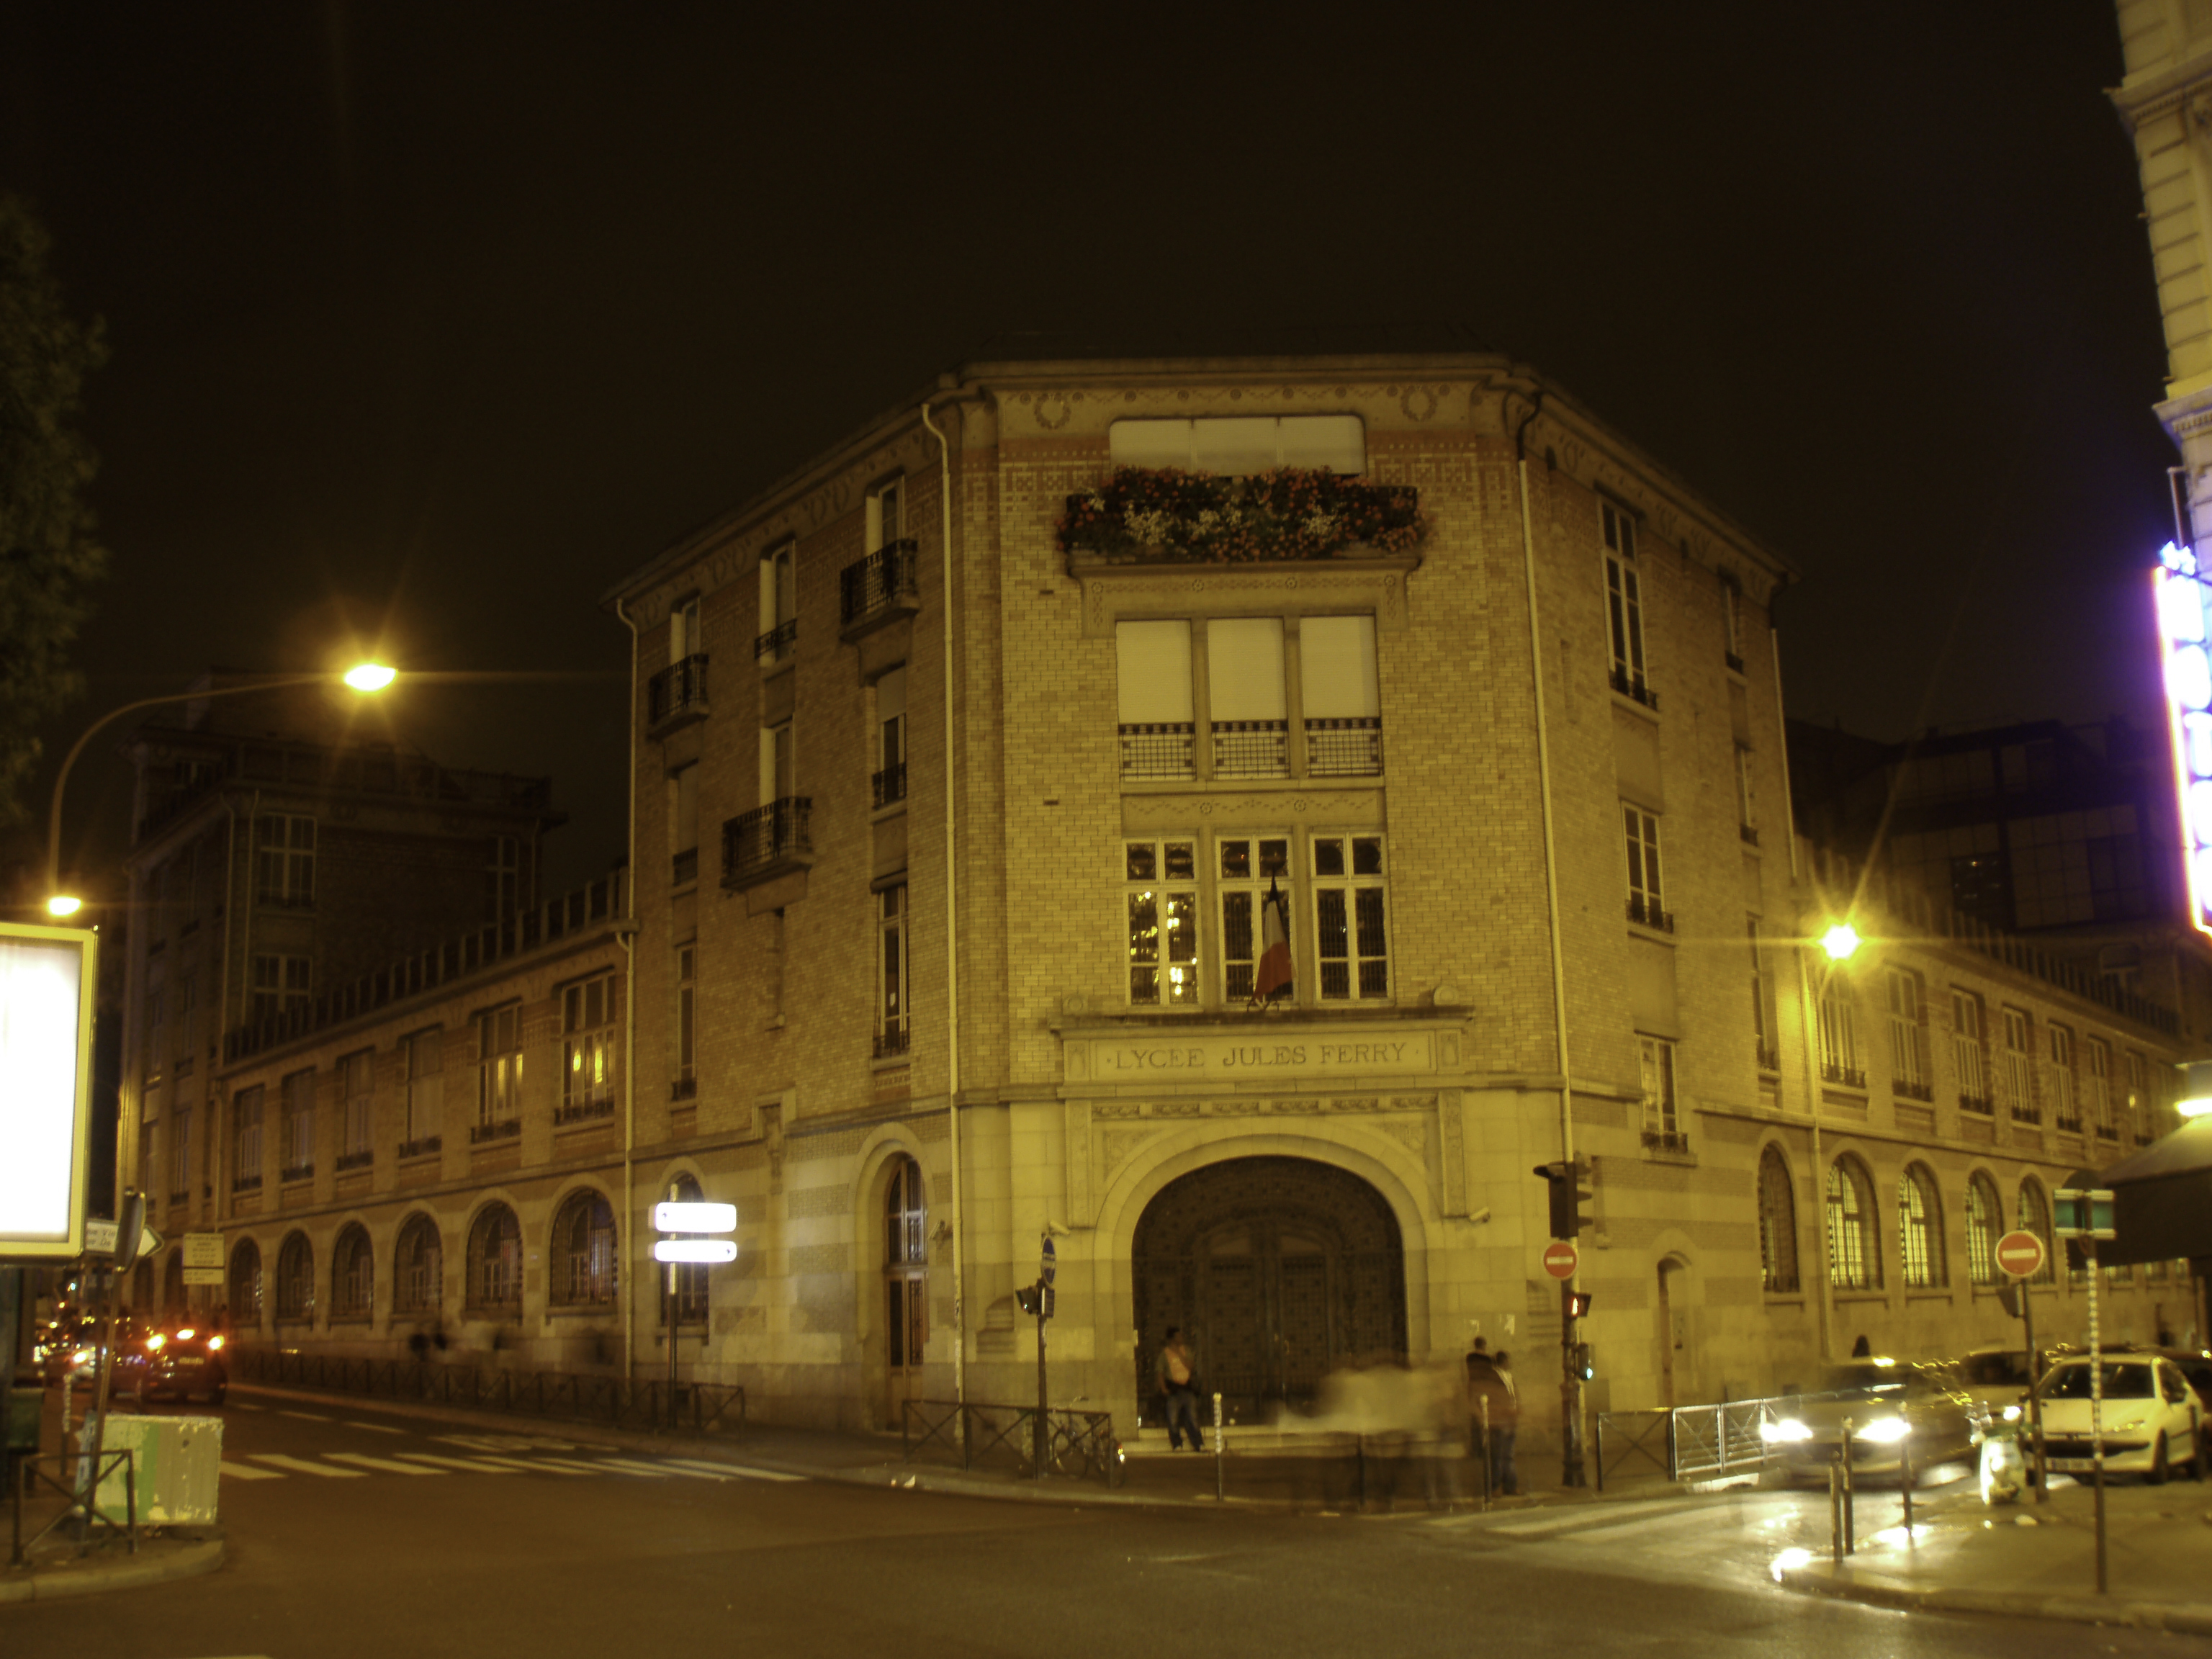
356, 1533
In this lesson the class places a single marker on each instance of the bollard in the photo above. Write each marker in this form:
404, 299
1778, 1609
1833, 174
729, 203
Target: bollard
1486, 1452
1219, 1446
1850, 1497
1905, 1480
1836, 1508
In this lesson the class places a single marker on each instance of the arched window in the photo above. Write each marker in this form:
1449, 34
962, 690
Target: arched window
1920, 1230
245, 1285
494, 1283
1777, 1223
690, 1276
352, 1274
418, 1267
1854, 1254
295, 1279
142, 1288
2035, 1218
1984, 1226
584, 1250
906, 1257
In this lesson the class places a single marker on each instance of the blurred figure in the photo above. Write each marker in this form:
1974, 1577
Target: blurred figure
1178, 1380
1491, 1397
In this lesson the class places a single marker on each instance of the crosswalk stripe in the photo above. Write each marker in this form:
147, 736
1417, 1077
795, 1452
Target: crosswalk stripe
247, 1471
627, 1467
574, 1467
386, 1464
374, 1428
305, 1417
303, 1467
537, 1465
746, 1470
246, 1406
481, 1466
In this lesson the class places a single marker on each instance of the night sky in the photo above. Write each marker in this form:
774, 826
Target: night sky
430, 321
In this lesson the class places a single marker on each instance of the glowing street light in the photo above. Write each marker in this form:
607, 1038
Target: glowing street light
1840, 941
366, 678
2196, 1089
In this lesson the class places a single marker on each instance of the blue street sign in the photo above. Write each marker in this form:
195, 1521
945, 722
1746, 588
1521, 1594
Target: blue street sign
1051, 1260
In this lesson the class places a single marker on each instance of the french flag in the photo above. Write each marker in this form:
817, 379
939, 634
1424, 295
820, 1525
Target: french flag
1272, 979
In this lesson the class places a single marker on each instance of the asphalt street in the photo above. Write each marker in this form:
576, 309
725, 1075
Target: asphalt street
355, 1533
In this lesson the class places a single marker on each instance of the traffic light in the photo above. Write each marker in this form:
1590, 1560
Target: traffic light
1578, 1304
1568, 1195
1027, 1296
1585, 1362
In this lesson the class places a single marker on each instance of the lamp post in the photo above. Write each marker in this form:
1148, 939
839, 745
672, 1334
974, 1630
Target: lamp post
1837, 945
365, 678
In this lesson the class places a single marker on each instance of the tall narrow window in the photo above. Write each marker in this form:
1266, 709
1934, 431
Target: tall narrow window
2016, 1071
891, 1010
888, 782
1646, 903
1351, 944
280, 985
683, 826
583, 1251
499, 1072
778, 763
295, 1279
1339, 697
298, 1093
2138, 1100
1908, 1036
180, 1154
2035, 1218
1766, 1040
352, 1274
1158, 735
885, 520
1970, 1052
778, 605
1624, 597
246, 1139
1920, 1230
495, 1262
1746, 796
1656, 1061
1840, 1034
2097, 1088
683, 629
2065, 1108
1854, 1259
1778, 1225
688, 1279
1984, 1226
588, 1049
687, 1058
1161, 896
418, 1267
503, 877
246, 1285
358, 1092
1245, 698
906, 1260
422, 1058
1732, 622
284, 860
1249, 867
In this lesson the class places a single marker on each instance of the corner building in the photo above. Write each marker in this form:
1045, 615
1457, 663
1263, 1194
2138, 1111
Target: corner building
905, 1065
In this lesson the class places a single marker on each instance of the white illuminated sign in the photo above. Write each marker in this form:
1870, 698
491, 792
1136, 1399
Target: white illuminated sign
680, 1218
695, 1249
2183, 639
47, 979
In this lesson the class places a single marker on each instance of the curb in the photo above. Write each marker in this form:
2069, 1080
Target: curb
77, 1577
2191, 1618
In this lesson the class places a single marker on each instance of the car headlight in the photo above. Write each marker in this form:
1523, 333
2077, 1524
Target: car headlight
154, 1343
214, 1342
2012, 1413
1788, 1428
1887, 1432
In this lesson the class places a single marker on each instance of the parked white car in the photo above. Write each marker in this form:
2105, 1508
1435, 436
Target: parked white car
2153, 1421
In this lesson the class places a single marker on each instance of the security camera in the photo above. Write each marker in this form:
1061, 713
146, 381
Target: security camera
1482, 1214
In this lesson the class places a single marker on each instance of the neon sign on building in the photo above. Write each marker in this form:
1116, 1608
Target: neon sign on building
2186, 643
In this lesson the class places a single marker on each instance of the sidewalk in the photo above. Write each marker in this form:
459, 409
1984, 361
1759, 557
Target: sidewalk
2030, 1560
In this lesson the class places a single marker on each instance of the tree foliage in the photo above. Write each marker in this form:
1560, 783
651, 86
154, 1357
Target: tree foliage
50, 561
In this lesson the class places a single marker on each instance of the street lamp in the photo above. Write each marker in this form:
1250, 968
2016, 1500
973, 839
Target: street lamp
366, 678
1839, 943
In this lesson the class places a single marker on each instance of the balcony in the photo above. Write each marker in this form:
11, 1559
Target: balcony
1978, 1105
676, 696
891, 1040
245, 1183
1636, 688
684, 867
1667, 1141
1846, 1077
506, 1129
1164, 751
582, 1111
2026, 1114
889, 785
422, 1146
684, 1088
1908, 1089
768, 841
1346, 748
298, 1171
360, 1160
2066, 1126
1251, 749
878, 589
776, 644
1645, 913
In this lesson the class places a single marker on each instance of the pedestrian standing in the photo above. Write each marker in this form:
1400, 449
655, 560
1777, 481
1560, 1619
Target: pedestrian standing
1178, 1380
1490, 1381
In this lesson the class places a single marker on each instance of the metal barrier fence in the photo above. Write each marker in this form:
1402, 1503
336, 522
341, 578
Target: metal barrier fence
1694, 1443
83, 1507
697, 1407
1080, 1444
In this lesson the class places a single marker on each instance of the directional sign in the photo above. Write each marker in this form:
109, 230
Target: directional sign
1051, 1261
2020, 1254
2082, 1212
695, 1218
99, 1239
695, 1249
1561, 1259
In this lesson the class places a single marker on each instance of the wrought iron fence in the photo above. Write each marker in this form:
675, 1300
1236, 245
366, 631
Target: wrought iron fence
679, 688
1078, 1444
30, 1474
695, 1408
754, 841
1251, 749
870, 587
1350, 747
1166, 750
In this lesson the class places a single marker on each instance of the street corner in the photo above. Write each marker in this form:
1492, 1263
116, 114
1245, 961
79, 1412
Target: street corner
1842, 1581
157, 1561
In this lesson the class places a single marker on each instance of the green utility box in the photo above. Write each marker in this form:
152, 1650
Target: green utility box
176, 1464
27, 1407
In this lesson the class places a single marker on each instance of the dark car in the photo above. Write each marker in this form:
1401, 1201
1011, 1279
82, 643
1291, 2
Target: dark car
1885, 1402
178, 1364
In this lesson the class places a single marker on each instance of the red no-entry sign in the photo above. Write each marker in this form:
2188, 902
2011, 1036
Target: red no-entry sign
2020, 1254
1561, 1259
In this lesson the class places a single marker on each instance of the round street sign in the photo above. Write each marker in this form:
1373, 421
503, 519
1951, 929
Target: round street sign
2021, 1253
1561, 1259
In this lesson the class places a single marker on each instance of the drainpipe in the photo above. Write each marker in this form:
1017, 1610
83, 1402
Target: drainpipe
1809, 1017
242, 946
951, 928
1569, 1385
628, 936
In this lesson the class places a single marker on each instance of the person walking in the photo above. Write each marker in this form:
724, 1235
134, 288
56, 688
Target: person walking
1178, 1380
1490, 1382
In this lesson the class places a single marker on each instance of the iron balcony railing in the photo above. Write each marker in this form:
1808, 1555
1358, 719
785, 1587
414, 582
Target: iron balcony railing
1907, 1089
1636, 687
776, 644
1849, 1077
299, 1171
884, 583
891, 1040
683, 1088
1748, 836
1668, 1140
1160, 751
582, 1111
758, 843
1770, 1060
360, 1160
679, 688
1645, 913
422, 1146
505, 1129
1733, 661
1251, 749
684, 868
1980, 1105
890, 785
1346, 747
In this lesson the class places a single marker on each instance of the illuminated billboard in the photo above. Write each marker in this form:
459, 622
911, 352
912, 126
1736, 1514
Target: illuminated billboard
46, 983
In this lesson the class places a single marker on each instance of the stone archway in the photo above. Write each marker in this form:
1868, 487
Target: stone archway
1281, 1269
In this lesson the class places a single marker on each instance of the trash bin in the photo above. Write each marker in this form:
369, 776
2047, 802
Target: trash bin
177, 1463
27, 1410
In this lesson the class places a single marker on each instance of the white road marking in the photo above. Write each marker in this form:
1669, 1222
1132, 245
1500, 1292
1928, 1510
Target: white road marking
481, 1466
657, 1470
533, 1465
247, 1471
578, 1467
305, 1417
301, 1466
383, 1463
374, 1428
247, 1405
746, 1470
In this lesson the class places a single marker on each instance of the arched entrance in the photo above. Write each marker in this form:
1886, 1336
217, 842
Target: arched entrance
1280, 1269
